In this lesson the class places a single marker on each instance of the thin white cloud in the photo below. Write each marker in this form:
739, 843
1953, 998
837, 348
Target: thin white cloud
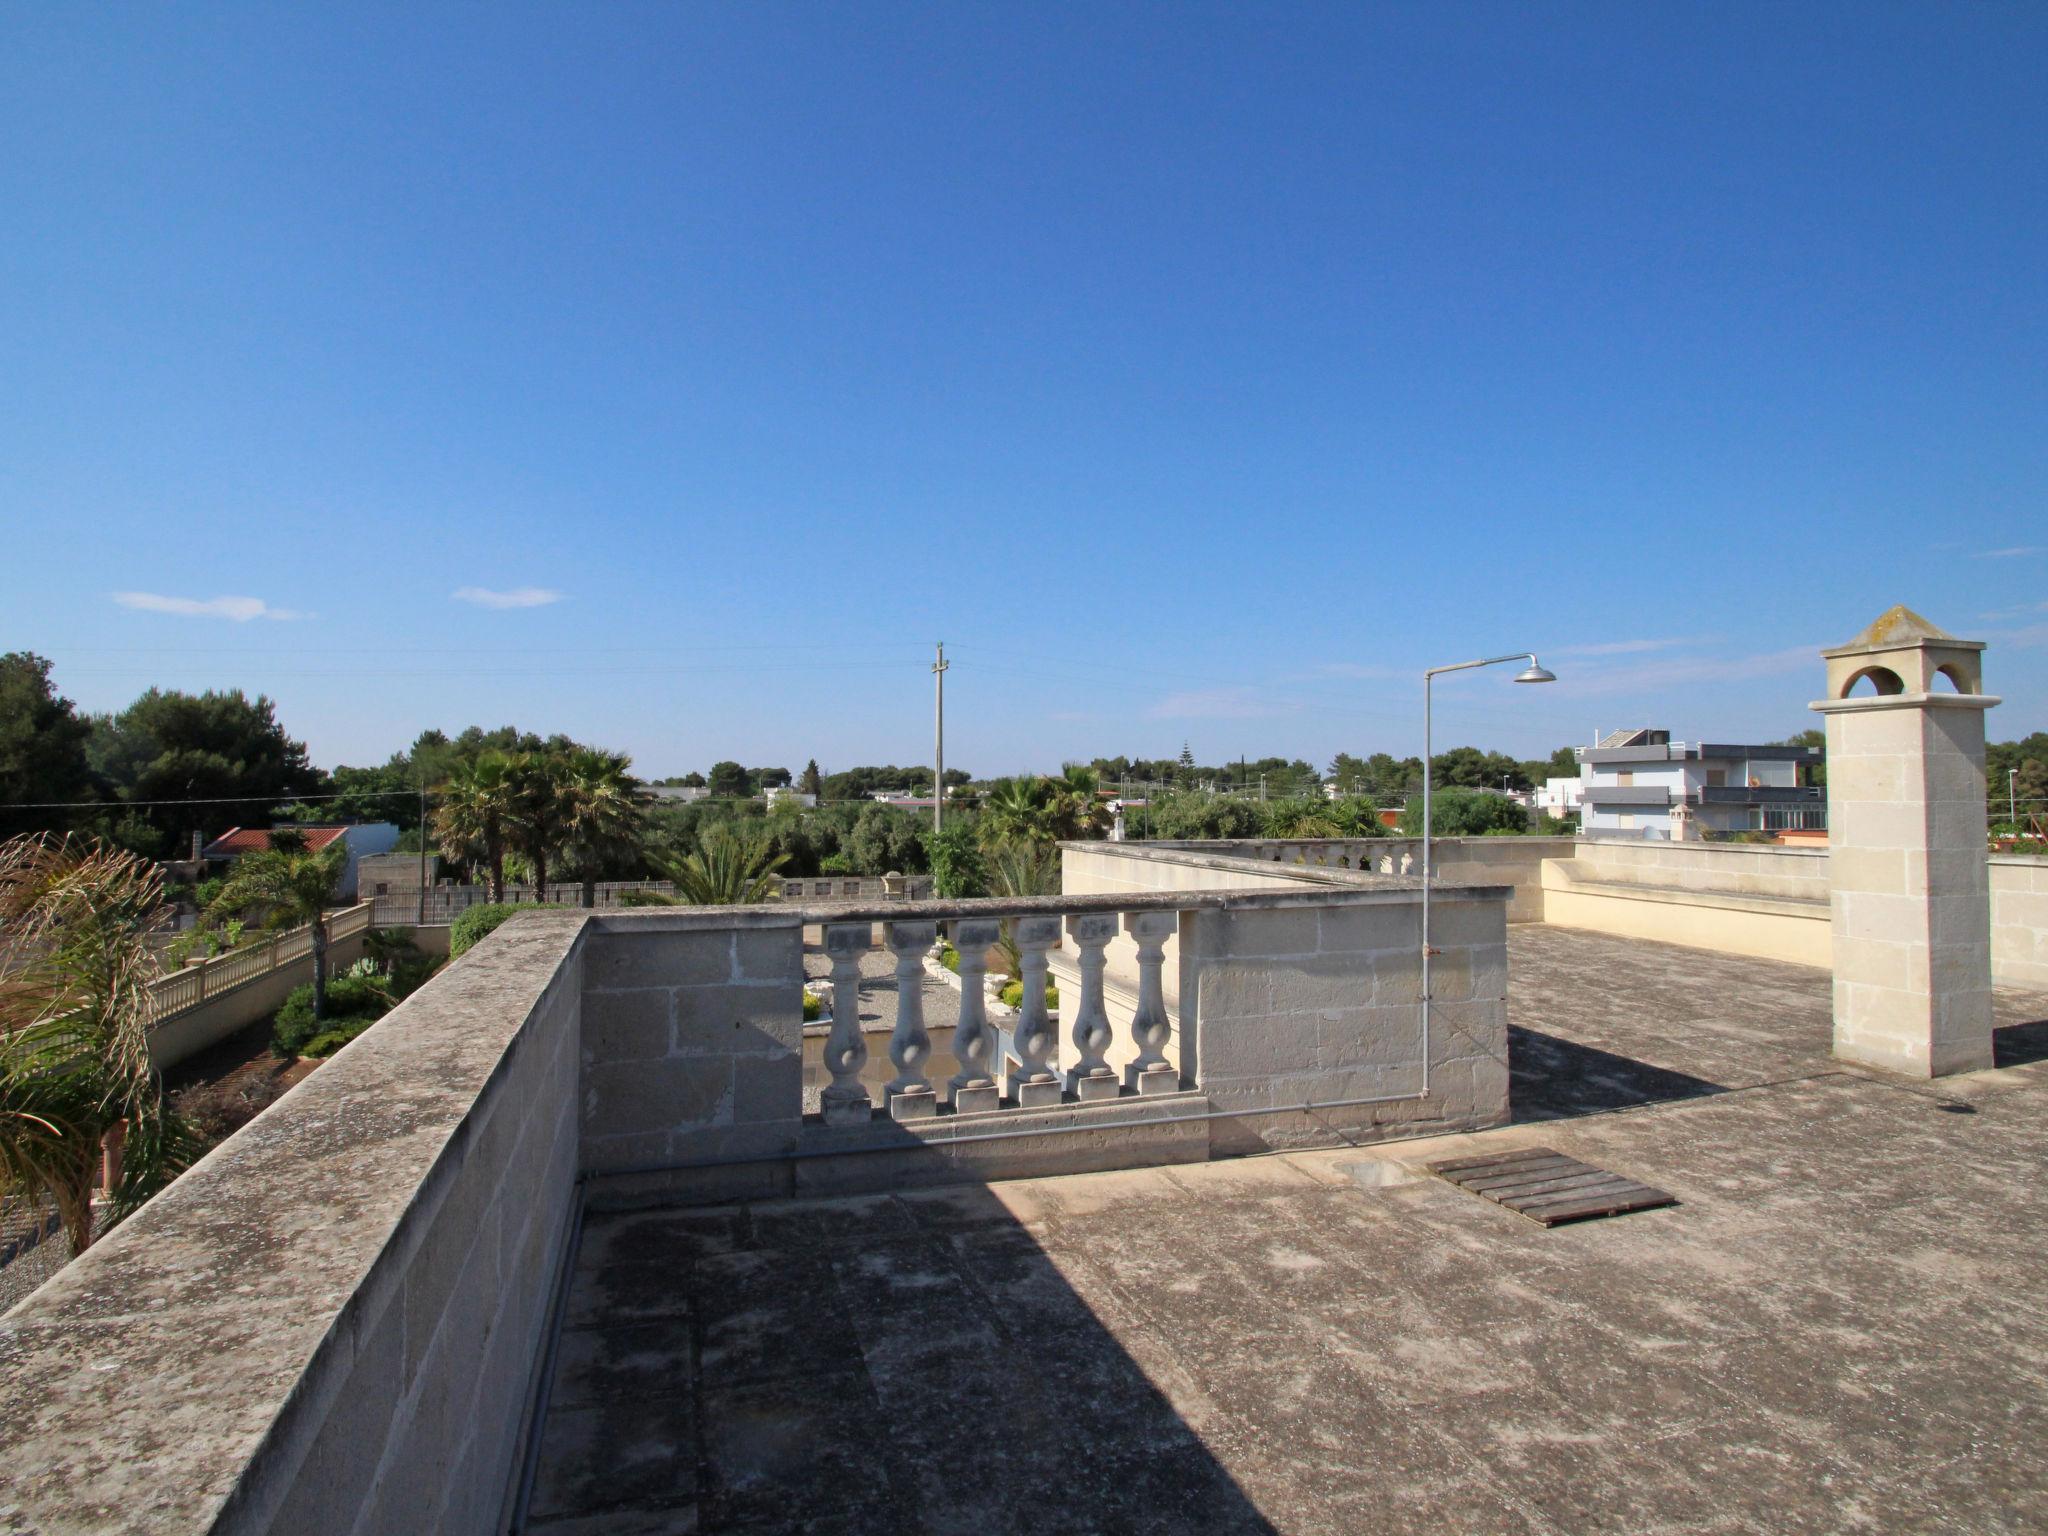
2014, 552
517, 597
1687, 671
1221, 704
2024, 638
2013, 613
239, 609
1628, 647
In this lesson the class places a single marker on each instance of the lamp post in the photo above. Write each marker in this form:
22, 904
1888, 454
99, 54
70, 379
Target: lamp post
2012, 790
1535, 672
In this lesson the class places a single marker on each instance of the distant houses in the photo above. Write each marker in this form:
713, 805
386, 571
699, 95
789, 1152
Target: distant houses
360, 838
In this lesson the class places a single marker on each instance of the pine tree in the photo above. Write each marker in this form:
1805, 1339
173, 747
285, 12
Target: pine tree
812, 782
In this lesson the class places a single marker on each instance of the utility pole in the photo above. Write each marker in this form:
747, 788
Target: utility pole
2012, 790
939, 748
421, 920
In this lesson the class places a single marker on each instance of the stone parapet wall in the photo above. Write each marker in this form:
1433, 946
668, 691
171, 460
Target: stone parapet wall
1322, 1005
332, 1322
692, 1037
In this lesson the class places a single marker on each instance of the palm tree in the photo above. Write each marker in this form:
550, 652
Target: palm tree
471, 813
1019, 811
1077, 807
292, 888
538, 812
728, 870
1020, 870
605, 820
1299, 818
76, 1084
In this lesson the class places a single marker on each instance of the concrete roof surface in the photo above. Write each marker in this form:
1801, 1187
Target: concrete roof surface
1838, 1328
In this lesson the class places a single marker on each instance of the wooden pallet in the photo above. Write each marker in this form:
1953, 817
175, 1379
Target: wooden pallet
1545, 1185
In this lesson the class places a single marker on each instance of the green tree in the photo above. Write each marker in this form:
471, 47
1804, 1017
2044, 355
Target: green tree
1076, 804
76, 1082
729, 781
538, 815
728, 870
170, 746
42, 747
1465, 813
289, 887
958, 868
812, 783
605, 823
1020, 811
1298, 818
1470, 768
471, 815
1200, 816
886, 840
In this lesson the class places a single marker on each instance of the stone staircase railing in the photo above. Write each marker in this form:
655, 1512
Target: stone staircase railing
182, 990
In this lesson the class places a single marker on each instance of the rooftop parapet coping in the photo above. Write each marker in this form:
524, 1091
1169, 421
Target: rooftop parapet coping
1386, 890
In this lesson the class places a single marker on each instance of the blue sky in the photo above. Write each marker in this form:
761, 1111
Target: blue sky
1195, 372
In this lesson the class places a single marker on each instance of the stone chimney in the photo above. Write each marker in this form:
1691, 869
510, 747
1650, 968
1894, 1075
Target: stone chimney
1909, 885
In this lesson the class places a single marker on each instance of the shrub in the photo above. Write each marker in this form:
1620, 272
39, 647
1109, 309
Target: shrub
328, 1041
1013, 995
835, 864
476, 924
957, 867
293, 1025
949, 957
1201, 816
1465, 813
207, 892
355, 992
814, 1007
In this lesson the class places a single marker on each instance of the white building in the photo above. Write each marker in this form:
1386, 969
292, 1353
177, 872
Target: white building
1560, 797
1641, 783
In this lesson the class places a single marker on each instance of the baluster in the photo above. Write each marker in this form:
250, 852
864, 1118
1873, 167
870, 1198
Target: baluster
910, 1095
1150, 1027
1033, 1082
1091, 1077
845, 1100
972, 1089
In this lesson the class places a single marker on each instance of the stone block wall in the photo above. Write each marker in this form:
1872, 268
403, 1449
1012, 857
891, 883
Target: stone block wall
692, 1046
1315, 1004
344, 1303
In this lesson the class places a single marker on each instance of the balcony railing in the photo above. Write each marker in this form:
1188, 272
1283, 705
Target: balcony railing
182, 990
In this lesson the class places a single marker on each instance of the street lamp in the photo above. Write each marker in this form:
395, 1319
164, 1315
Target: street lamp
1535, 672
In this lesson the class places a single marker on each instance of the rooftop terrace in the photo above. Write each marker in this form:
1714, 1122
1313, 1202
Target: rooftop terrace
1837, 1328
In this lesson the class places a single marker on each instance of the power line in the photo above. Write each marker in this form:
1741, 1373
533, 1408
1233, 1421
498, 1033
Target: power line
277, 799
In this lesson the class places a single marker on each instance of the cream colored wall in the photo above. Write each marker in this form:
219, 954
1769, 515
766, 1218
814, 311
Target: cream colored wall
1799, 874
1768, 928
2019, 921
1740, 898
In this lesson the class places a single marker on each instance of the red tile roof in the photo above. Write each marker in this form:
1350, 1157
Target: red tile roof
236, 841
